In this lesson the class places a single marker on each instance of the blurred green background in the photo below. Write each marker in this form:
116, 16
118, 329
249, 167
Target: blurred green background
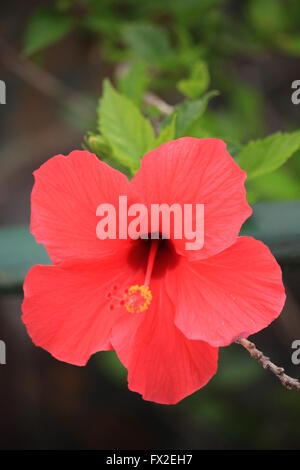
184, 67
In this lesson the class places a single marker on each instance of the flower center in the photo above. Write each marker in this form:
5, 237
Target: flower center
137, 298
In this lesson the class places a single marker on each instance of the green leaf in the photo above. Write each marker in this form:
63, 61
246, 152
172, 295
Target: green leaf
147, 42
168, 132
98, 145
247, 108
197, 83
262, 156
18, 252
189, 112
134, 82
125, 129
276, 186
45, 28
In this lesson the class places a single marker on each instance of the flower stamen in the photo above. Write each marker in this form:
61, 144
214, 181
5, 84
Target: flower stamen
137, 299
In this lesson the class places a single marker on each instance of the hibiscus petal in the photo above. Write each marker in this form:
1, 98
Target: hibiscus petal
66, 308
233, 294
190, 171
163, 365
65, 196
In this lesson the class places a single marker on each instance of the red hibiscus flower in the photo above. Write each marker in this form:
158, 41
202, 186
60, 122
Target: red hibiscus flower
164, 310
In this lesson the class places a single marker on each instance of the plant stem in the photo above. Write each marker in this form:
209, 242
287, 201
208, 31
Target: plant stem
287, 381
160, 104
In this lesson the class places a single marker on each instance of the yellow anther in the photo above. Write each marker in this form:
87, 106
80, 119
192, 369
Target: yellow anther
137, 299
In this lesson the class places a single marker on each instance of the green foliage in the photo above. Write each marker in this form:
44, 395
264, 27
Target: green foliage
239, 120
197, 83
98, 145
134, 82
190, 112
45, 28
125, 135
280, 185
168, 132
128, 133
182, 51
147, 42
263, 156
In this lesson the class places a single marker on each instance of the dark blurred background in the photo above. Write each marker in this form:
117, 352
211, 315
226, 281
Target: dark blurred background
253, 53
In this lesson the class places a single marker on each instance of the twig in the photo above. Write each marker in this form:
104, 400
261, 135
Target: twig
54, 88
32, 74
286, 380
154, 100
149, 98
44, 82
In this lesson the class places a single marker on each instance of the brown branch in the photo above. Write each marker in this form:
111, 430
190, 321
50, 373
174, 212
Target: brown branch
32, 74
44, 82
52, 87
287, 381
